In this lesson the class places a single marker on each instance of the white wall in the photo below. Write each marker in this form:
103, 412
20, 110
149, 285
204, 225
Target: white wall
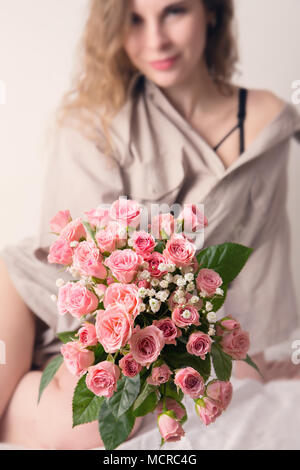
37, 46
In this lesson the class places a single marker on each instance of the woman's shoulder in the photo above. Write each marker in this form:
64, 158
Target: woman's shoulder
263, 107
266, 102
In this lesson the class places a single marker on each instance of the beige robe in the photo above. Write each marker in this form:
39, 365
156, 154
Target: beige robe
161, 158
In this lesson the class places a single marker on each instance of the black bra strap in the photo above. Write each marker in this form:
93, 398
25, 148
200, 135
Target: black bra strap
241, 117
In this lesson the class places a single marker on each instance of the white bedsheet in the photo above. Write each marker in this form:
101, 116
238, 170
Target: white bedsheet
260, 416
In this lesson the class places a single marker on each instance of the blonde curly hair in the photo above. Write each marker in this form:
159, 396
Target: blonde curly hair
101, 84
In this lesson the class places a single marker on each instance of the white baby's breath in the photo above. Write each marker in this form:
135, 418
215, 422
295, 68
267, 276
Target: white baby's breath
155, 282
59, 282
53, 298
74, 243
171, 267
219, 291
189, 277
190, 287
164, 284
186, 314
194, 299
181, 282
162, 295
154, 305
208, 306
211, 331
145, 274
142, 307
162, 267
203, 294
168, 277
142, 292
211, 317
151, 292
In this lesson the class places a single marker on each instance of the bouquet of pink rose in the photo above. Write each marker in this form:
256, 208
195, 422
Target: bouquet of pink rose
149, 332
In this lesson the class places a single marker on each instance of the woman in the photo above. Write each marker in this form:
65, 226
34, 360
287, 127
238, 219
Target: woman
174, 131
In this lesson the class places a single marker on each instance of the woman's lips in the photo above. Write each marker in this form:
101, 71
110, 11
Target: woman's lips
164, 64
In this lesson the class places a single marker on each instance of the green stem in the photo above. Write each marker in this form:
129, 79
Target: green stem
164, 399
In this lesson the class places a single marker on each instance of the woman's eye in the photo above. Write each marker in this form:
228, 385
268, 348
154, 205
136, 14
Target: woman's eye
135, 19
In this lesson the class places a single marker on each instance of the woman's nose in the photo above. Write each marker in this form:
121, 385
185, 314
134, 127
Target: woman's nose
156, 37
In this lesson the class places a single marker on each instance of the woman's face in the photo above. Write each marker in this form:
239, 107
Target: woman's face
160, 29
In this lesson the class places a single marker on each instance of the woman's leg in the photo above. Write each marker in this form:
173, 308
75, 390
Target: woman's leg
49, 424
17, 332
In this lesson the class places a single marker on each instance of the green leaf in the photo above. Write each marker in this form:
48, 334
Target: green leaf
67, 336
177, 357
219, 300
89, 229
114, 431
252, 364
171, 391
227, 259
85, 405
127, 391
49, 372
160, 246
148, 405
146, 390
100, 354
222, 362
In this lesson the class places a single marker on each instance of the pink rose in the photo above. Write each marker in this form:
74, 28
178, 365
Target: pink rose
112, 237
230, 323
154, 260
74, 231
208, 410
143, 283
98, 217
185, 316
179, 250
162, 226
146, 344
60, 252
77, 359
143, 242
126, 212
236, 344
125, 294
87, 334
169, 428
87, 260
59, 221
208, 281
124, 264
159, 375
190, 382
113, 327
169, 329
76, 299
102, 379
220, 392
129, 366
193, 217
199, 344
172, 405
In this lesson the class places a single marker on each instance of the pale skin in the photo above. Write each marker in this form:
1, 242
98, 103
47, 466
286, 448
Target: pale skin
157, 34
